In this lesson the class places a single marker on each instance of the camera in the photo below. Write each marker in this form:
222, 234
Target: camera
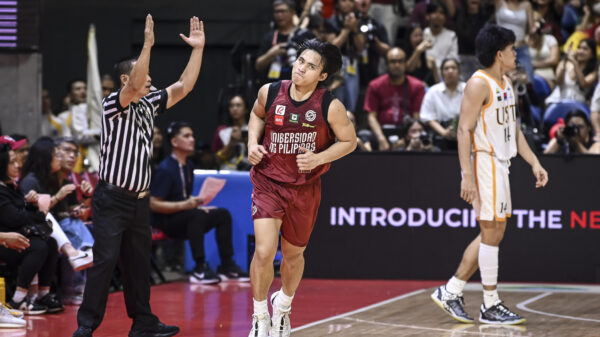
292, 52
571, 131
425, 139
366, 27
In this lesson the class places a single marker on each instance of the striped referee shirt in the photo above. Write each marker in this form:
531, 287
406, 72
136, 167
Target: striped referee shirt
126, 140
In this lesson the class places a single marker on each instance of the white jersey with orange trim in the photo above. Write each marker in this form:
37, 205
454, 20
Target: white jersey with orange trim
495, 131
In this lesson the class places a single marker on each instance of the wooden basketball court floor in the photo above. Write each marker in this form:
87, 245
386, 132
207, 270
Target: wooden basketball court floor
345, 308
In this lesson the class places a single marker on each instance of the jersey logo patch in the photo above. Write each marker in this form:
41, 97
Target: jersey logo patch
306, 125
294, 118
278, 120
310, 115
280, 110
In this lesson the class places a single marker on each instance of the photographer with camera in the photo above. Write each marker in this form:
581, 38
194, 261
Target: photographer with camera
416, 138
574, 136
377, 43
344, 33
277, 50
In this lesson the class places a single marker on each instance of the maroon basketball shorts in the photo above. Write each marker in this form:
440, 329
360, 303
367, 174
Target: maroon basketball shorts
296, 205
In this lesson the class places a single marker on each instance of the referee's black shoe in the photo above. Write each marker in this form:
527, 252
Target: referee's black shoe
499, 314
452, 304
156, 330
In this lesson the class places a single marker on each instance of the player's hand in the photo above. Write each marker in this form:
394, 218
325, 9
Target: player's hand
540, 174
256, 153
307, 160
468, 190
15, 241
197, 38
149, 32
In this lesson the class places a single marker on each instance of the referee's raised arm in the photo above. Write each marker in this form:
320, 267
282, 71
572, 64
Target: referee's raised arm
139, 74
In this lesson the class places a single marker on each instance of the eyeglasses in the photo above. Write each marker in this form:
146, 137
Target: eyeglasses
74, 152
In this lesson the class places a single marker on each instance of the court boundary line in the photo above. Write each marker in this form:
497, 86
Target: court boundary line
417, 327
523, 306
359, 310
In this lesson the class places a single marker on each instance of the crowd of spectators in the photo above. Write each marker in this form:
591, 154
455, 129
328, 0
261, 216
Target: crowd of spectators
405, 64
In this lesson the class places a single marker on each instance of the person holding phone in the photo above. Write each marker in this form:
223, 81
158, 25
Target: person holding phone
229, 141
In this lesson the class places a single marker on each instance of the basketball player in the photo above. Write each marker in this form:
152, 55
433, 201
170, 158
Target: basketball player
488, 137
296, 129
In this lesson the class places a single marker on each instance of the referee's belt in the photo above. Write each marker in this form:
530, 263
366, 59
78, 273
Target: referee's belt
111, 187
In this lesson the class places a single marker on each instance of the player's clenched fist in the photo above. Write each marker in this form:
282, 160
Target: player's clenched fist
256, 153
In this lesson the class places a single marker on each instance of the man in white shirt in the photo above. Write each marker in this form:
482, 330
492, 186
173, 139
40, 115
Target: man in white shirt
444, 41
441, 105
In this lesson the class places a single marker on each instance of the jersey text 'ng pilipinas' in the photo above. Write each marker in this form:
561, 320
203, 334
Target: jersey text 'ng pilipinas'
126, 140
496, 128
290, 125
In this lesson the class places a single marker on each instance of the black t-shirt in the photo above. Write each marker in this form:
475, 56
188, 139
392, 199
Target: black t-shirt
293, 40
61, 209
373, 28
172, 182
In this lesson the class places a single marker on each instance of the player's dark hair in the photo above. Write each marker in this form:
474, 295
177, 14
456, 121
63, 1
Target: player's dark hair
330, 55
174, 128
491, 39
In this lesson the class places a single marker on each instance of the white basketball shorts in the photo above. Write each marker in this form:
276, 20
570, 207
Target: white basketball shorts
493, 187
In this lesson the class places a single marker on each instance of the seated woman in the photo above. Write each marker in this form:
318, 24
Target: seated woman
420, 65
416, 138
574, 136
19, 211
544, 52
576, 74
40, 174
229, 142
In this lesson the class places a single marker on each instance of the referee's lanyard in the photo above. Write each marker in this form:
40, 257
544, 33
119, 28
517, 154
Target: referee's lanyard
182, 175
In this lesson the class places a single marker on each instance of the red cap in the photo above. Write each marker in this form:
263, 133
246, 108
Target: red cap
14, 144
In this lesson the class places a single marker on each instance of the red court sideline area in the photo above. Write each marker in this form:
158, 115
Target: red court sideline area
224, 309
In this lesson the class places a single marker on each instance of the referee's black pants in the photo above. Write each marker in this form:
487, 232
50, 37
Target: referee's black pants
121, 234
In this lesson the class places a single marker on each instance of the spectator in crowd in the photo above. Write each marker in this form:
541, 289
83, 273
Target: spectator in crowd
544, 52
394, 15
22, 150
416, 138
551, 13
20, 212
277, 51
363, 140
392, 96
158, 148
576, 74
471, 16
316, 24
75, 100
376, 45
441, 105
108, 85
444, 43
229, 141
11, 318
72, 221
517, 15
419, 64
178, 213
51, 125
574, 136
421, 17
595, 113
40, 174
344, 33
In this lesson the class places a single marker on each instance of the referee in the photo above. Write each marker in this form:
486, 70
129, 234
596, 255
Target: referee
121, 200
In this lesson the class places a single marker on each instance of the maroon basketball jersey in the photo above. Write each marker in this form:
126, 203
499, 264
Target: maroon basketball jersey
290, 125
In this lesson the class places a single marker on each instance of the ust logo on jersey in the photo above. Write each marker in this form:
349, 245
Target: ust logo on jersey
503, 114
280, 110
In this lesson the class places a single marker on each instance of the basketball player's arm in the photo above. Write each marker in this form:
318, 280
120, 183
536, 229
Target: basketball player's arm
476, 94
256, 127
158, 205
343, 130
178, 90
524, 150
139, 73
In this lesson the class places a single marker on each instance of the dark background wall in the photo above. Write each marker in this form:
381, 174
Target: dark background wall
119, 33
